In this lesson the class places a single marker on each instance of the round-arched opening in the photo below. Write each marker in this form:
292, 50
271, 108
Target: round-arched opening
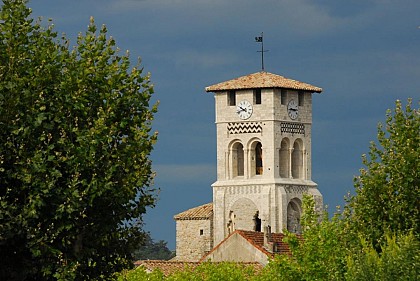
244, 215
284, 158
237, 159
256, 158
297, 160
294, 210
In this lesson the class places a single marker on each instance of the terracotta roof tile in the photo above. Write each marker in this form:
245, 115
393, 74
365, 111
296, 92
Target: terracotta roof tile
197, 213
262, 80
257, 240
167, 267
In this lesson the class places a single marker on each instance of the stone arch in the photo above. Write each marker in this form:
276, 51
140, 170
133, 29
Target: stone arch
294, 211
256, 157
284, 158
297, 159
245, 212
237, 159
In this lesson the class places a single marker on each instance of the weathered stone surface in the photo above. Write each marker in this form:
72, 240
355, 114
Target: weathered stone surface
194, 233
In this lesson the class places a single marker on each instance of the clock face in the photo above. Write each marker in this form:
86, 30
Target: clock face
244, 109
293, 109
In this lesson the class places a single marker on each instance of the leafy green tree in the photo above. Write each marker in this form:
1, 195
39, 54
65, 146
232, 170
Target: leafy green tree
75, 140
221, 271
151, 250
319, 254
399, 260
388, 190
386, 201
140, 274
281, 268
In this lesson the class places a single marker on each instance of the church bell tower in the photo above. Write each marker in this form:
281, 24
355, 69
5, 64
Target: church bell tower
264, 124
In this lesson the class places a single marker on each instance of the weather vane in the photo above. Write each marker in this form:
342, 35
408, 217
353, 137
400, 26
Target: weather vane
260, 39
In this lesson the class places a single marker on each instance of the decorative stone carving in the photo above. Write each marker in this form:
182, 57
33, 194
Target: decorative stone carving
248, 189
292, 128
296, 189
244, 128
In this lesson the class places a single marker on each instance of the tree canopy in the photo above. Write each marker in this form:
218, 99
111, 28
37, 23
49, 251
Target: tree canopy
75, 140
151, 250
387, 196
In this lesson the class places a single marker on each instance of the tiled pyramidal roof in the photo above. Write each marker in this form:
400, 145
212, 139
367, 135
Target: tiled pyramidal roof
262, 79
198, 213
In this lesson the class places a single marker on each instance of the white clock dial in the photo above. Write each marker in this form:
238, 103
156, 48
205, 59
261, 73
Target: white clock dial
244, 109
293, 109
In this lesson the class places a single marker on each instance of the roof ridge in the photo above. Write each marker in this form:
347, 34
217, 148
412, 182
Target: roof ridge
200, 212
253, 242
218, 245
262, 79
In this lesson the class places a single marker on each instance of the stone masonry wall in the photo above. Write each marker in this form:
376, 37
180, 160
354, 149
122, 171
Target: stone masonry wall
194, 238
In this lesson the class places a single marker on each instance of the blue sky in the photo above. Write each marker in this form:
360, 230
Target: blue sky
365, 54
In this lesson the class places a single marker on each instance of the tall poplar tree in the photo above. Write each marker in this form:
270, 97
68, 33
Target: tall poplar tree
75, 141
387, 196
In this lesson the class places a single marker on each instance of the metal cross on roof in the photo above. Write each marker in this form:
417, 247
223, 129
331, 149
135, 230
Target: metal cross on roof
260, 39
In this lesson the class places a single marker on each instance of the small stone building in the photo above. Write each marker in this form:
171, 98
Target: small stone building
194, 233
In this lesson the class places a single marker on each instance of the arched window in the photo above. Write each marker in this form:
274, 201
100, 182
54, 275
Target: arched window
297, 160
293, 215
284, 158
258, 159
237, 159
244, 215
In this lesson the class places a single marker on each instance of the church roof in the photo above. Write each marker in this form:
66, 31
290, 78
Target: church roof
257, 240
262, 79
198, 213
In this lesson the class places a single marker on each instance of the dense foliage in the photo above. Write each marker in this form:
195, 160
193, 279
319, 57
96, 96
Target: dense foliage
399, 260
75, 140
151, 250
321, 254
388, 189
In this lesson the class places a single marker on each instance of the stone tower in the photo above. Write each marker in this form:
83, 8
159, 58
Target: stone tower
263, 123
